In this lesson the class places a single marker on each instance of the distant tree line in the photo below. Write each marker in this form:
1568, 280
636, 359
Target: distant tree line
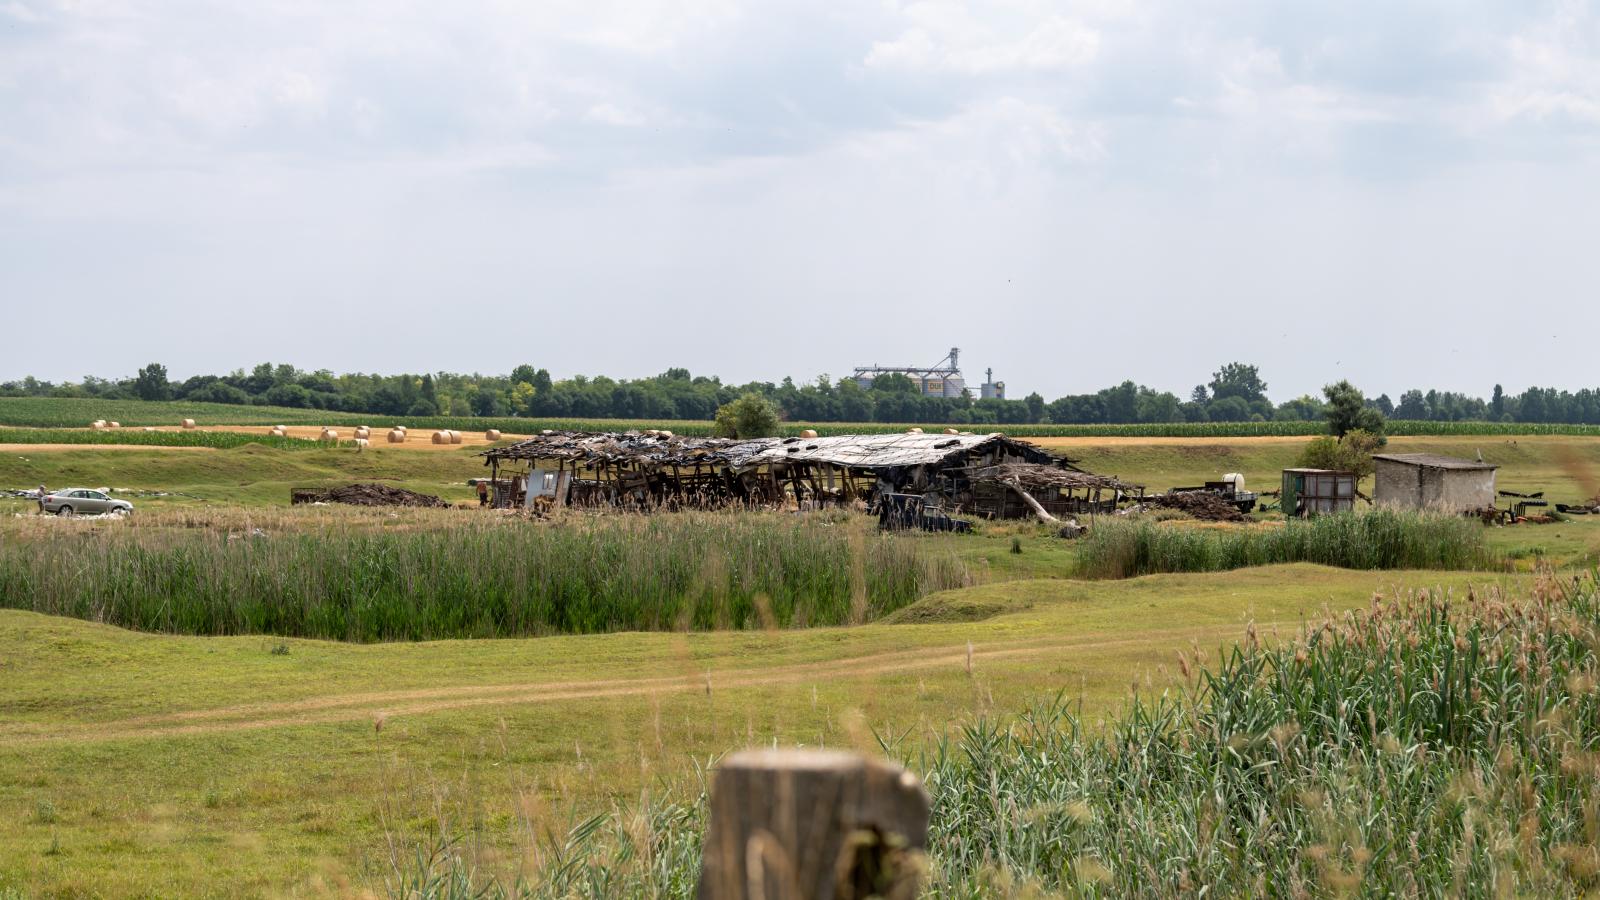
1235, 393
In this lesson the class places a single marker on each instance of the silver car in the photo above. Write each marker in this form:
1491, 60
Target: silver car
82, 501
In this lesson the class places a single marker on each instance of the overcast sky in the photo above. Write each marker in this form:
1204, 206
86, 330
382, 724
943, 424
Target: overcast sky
1401, 193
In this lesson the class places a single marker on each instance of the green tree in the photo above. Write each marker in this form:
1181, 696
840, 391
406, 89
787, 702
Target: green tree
895, 383
152, 383
1348, 411
1238, 380
750, 416
1350, 453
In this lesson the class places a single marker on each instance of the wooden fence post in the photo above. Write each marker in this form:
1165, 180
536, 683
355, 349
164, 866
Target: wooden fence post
813, 825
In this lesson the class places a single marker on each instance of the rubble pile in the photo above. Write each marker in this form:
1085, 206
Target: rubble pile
1205, 505
370, 494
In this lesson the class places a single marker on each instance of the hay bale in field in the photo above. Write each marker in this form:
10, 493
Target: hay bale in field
363, 432
188, 423
492, 435
361, 444
328, 434
98, 424
148, 428
113, 424
951, 431
455, 437
913, 431
397, 435
808, 433
441, 437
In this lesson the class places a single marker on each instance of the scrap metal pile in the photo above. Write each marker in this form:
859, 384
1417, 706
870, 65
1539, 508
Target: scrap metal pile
370, 494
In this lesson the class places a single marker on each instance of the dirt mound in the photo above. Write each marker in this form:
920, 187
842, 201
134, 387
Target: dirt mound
365, 495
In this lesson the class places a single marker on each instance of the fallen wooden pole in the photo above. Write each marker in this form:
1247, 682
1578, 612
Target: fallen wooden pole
1038, 510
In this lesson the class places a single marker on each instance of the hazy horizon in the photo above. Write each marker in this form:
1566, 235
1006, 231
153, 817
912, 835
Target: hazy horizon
1403, 195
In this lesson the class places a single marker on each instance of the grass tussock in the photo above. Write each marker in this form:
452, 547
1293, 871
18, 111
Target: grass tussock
1428, 746
350, 577
1379, 539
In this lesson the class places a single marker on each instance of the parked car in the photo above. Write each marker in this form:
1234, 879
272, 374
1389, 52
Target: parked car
82, 501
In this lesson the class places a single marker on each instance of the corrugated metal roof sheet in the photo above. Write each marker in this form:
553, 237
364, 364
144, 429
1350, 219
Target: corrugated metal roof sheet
855, 450
870, 450
1433, 461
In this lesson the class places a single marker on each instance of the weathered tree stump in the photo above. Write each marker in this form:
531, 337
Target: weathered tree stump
813, 825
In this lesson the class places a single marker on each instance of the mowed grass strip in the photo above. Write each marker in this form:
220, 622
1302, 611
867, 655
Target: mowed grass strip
139, 438
306, 804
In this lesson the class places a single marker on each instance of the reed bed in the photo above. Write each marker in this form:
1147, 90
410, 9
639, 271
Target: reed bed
1378, 539
371, 577
1431, 745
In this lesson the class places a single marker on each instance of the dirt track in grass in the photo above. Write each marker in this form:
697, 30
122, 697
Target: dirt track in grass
380, 707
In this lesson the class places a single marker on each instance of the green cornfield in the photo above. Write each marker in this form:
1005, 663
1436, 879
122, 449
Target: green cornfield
303, 575
1431, 745
45, 412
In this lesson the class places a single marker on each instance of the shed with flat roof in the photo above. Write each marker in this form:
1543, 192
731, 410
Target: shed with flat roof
1431, 482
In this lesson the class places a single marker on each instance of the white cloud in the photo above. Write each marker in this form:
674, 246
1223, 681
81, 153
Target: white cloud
948, 36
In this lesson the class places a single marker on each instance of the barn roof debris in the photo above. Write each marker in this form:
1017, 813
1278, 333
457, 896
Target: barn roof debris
865, 451
1035, 477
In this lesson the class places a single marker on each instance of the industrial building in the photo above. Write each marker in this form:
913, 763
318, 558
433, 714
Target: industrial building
1432, 482
942, 379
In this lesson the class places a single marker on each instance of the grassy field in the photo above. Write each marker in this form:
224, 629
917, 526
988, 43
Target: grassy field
225, 766
160, 765
1566, 467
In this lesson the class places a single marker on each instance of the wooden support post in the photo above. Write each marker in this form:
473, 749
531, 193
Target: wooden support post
813, 825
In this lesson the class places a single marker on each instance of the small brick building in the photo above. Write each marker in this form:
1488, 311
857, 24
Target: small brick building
1431, 482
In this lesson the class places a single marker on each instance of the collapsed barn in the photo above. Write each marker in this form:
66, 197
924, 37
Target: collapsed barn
979, 474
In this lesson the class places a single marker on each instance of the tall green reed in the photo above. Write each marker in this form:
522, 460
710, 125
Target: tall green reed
1379, 539
477, 579
1431, 745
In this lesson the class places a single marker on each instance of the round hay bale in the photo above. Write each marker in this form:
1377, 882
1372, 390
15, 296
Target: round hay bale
361, 444
809, 433
188, 423
455, 437
148, 428
666, 434
913, 431
114, 424
98, 424
492, 435
441, 437
397, 435
363, 432
951, 431
328, 434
